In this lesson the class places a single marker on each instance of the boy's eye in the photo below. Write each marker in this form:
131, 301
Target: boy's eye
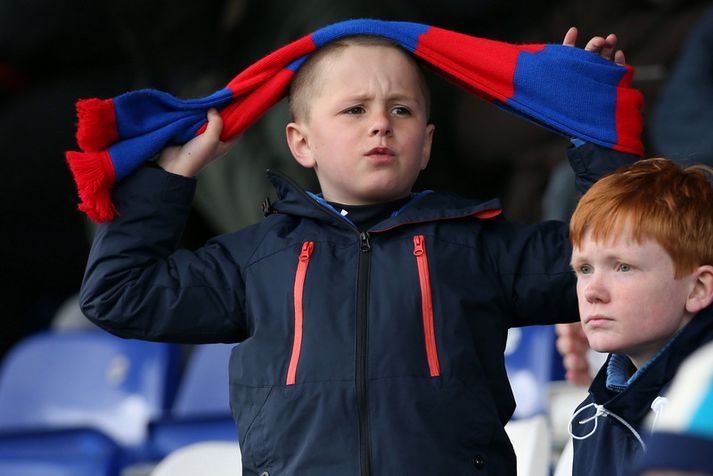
401, 111
354, 110
624, 267
584, 269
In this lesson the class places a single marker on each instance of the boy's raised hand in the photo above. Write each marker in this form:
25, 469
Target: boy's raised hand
604, 47
573, 346
190, 158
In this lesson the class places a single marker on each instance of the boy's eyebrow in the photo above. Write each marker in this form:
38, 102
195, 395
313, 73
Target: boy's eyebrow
573, 262
610, 256
361, 97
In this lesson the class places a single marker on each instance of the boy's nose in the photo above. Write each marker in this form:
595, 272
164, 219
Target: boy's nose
381, 125
595, 291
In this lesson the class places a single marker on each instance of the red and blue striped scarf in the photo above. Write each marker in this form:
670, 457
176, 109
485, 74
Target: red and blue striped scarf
569, 90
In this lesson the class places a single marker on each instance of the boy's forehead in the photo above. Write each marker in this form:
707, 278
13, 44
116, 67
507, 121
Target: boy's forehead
353, 62
354, 54
622, 241
360, 62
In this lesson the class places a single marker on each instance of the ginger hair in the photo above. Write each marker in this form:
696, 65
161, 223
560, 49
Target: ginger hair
652, 199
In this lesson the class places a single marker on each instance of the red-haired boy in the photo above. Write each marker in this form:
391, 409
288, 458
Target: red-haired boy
643, 255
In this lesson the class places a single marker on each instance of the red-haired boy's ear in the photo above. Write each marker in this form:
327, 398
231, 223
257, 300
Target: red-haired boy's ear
701, 295
297, 141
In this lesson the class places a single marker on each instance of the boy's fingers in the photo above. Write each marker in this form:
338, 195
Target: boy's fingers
609, 46
579, 378
571, 344
619, 58
575, 362
573, 329
570, 38
604, 47
595, 45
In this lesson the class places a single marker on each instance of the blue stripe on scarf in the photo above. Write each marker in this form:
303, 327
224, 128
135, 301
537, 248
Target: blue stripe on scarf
149, 109
552, 96
404, 33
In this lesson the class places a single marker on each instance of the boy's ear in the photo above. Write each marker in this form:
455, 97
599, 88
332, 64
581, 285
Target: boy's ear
427, 143
701, 295
297, 141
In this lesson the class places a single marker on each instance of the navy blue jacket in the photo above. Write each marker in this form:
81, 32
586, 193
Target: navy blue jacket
362, 353
613, 445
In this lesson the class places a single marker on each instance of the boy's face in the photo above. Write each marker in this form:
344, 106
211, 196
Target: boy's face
629, 301
366, 134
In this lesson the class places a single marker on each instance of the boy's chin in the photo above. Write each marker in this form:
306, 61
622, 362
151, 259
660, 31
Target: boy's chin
599, 344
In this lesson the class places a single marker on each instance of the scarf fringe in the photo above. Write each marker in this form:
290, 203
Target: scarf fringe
96, 127
94, 175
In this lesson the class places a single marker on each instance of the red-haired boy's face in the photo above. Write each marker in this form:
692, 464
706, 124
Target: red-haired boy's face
629, 301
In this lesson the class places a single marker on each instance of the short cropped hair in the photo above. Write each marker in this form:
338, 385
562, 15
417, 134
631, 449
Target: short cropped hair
656, 199
306, 83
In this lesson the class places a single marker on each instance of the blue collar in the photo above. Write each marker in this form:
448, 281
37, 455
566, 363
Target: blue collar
619, 365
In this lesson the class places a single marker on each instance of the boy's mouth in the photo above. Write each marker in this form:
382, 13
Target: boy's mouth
596, 319
381, 151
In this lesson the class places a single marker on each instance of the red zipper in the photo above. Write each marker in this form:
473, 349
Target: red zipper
419, 251
300, 274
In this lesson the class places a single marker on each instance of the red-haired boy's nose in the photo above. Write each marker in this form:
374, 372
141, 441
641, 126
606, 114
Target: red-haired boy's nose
595, 291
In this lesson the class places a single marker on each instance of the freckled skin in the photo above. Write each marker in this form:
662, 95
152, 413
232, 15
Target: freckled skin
629, 301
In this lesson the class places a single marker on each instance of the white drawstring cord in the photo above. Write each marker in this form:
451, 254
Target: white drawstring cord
658, 406
600, 411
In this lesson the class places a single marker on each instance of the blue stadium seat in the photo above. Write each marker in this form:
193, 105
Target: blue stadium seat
81, 396
75, 452
532, 362
201, 410
54, 466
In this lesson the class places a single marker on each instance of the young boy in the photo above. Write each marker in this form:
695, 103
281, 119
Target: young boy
372, 321
643, 255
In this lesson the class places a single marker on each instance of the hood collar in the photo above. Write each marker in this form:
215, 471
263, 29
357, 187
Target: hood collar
424, 206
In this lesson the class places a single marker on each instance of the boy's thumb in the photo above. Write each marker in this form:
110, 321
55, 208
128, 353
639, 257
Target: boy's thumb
215, 123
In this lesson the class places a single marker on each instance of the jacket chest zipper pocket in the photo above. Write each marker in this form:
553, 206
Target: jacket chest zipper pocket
300, 274
419, 251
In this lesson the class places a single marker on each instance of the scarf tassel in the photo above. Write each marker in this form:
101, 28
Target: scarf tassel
94, 175
96, 127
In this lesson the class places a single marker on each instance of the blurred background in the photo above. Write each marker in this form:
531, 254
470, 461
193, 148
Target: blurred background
53, 52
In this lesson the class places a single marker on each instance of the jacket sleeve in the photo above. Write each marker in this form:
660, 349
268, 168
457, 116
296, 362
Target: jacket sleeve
138, 285
591, 162
532, 266
533, 261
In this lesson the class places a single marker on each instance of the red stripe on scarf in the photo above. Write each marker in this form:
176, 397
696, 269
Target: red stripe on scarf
94, 175
488, 74
96, 126
259, 72
628, 120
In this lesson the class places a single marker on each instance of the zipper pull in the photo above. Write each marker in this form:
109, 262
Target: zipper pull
307, 248
418, 248
364, 244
